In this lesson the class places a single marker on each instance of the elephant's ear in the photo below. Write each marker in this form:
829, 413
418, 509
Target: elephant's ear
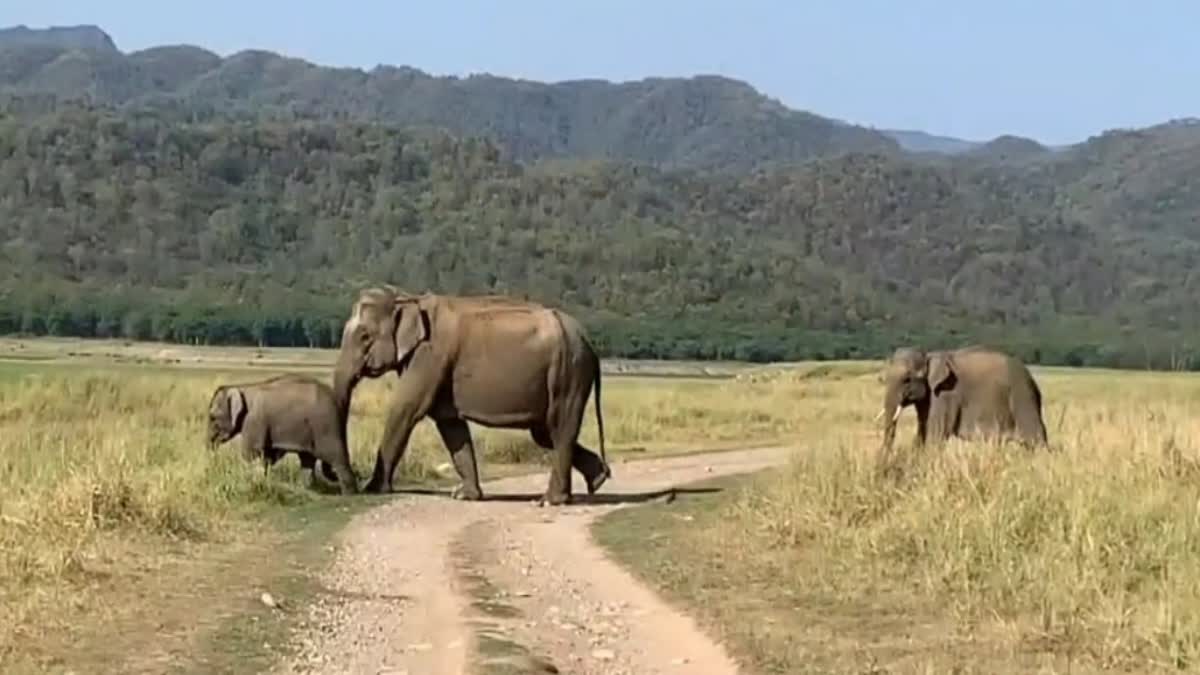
237, 406
941, 371
412, 328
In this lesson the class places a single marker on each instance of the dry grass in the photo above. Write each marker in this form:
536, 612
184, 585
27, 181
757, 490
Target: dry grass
115, 518
965, 559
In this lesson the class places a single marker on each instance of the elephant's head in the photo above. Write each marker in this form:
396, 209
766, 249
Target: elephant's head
384, 329
907, 380
226, 412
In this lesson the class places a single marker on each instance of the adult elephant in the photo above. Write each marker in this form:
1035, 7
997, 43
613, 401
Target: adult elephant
972, 393
492, 360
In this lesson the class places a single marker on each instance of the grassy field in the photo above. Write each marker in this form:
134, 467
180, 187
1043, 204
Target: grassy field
125, 544
968, 559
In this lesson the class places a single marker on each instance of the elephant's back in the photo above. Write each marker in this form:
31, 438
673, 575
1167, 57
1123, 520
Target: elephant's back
300, 393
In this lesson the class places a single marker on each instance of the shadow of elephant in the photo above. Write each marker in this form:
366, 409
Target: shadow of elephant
600, 499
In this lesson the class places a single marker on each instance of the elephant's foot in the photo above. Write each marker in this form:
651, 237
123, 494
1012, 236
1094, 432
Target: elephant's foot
594, 483
472, 494
555, 499
377, 487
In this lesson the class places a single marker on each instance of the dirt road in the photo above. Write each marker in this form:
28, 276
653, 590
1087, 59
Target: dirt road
431, 586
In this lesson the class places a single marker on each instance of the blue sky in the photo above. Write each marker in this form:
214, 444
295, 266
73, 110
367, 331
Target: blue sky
1055, 70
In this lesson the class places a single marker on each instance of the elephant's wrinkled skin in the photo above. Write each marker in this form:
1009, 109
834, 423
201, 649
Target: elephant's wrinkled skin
493, 360
972, 393
289, 413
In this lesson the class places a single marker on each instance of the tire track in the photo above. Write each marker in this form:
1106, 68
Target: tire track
435, 586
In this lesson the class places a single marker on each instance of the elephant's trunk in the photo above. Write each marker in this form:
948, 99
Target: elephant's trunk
213, 436
345, 378
343, 391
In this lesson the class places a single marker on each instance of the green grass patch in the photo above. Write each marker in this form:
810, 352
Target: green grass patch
254, 636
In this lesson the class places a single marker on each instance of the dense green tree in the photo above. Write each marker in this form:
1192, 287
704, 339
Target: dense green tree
223, 228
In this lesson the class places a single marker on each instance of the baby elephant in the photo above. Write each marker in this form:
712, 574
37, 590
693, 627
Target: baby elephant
288, 413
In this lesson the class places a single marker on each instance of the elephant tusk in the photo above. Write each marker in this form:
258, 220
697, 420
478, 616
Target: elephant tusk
897, 415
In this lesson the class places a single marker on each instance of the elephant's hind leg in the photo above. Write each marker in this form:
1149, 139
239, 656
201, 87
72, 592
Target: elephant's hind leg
584, 460
594, 470
327, 471
1030, 428
558, 491
564, 424
457, 437
309, 462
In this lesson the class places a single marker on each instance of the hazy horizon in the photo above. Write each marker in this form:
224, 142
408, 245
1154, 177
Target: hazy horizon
1050, 73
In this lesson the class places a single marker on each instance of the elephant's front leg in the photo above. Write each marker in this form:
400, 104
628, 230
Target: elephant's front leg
412, 403
256, 445
391, 450
944, 414
922, 406
457, 437
413, 400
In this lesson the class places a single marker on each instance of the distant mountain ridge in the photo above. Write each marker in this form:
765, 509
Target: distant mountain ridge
922, 141
1009, 148
66, 37
1004, 144
705, 121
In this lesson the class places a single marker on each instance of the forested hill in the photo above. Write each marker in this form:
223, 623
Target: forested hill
177, 226
705, 121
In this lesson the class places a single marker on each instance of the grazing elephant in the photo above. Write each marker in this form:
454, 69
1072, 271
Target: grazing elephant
493, 360
972, 393
288, 413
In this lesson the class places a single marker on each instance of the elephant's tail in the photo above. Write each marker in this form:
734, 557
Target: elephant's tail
600, 419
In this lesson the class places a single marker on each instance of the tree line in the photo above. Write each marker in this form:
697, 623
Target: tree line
255, 229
